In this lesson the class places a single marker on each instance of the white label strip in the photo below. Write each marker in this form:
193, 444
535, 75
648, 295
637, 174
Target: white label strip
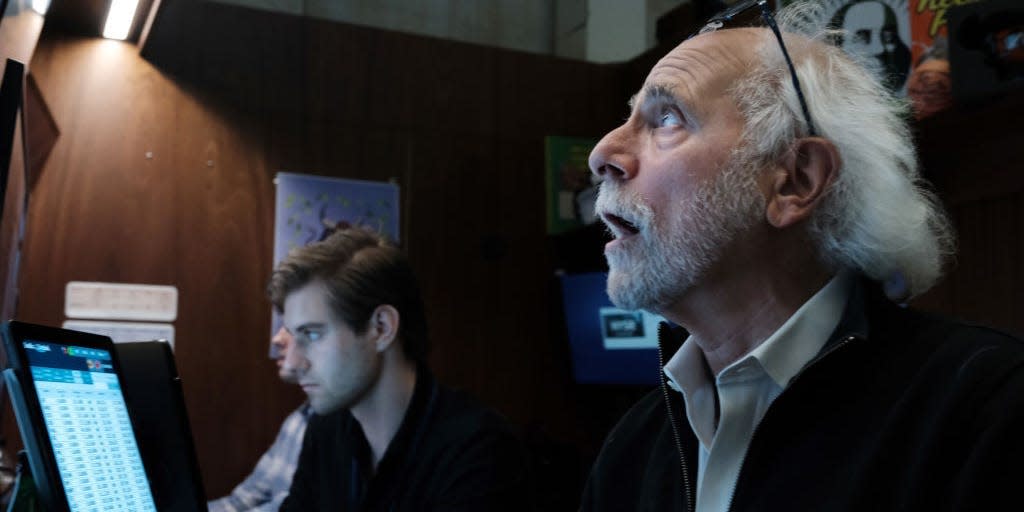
115, 301
628, 330
122, 332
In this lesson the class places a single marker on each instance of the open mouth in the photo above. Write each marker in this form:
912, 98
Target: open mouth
619, 226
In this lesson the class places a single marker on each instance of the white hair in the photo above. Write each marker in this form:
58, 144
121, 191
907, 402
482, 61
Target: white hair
879, 217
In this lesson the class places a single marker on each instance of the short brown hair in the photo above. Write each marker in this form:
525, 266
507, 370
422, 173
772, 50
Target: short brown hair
361, 271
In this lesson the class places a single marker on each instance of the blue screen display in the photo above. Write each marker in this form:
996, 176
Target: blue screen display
609, 345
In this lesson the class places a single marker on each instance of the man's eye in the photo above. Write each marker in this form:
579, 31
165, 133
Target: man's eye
669, 118
306, 337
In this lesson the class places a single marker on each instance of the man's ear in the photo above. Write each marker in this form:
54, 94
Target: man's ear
383, 326
799, 180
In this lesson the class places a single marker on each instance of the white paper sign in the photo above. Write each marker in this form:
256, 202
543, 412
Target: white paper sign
122, 332
84, 299
628, 330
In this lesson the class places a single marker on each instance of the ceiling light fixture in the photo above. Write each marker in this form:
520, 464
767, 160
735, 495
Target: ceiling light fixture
40, 6
119, 19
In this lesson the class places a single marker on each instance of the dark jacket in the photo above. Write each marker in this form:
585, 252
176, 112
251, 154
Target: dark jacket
901, 410
450, 453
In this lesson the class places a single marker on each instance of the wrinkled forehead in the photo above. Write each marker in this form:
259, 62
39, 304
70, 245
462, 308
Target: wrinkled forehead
706, 66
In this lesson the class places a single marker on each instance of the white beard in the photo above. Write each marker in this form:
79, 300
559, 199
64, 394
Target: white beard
675, 249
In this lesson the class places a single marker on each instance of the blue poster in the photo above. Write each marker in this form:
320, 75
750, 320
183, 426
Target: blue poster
309, 207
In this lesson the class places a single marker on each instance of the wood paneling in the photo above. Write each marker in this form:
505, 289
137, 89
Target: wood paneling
230, 96
19, 33
150, 184
972, 155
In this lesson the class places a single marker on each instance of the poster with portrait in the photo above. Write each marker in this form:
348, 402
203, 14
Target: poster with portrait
308, 209
878, 30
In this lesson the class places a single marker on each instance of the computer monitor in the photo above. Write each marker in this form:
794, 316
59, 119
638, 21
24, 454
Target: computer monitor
66, 391
156, 402
13, 184
608, 345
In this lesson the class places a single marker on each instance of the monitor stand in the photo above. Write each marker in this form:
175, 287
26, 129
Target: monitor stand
38, 475
24, 496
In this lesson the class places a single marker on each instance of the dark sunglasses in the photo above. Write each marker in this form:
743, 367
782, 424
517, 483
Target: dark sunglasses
719, 20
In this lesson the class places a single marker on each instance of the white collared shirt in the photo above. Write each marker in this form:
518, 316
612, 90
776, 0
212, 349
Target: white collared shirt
746, 389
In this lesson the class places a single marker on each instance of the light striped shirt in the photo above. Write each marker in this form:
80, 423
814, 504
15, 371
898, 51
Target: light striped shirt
267, 486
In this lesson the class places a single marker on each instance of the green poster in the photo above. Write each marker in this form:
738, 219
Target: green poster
570, 188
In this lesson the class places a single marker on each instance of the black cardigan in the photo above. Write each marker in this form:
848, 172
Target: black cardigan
450, 453
901, 410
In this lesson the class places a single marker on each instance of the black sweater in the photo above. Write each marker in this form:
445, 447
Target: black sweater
449, 453
901, 410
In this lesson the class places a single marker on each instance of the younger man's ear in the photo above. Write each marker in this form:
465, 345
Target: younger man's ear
383, 326
799, 180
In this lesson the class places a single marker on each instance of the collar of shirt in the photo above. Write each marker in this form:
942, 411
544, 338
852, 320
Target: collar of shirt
780, 357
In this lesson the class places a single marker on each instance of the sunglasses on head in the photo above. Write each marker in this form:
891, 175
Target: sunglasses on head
719, 20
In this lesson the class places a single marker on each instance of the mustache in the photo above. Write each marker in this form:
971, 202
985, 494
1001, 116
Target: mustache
631, 206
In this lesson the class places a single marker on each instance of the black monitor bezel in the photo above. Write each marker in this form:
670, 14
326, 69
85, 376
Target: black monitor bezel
49, 483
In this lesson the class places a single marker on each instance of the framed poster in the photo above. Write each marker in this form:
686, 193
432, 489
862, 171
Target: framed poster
571, 188
309, 207
878, 30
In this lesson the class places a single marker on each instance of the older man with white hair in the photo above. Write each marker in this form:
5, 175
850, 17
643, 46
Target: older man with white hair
764, 197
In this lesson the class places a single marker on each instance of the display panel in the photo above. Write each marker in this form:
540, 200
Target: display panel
609, 345
74, 420
88, 427
156, 403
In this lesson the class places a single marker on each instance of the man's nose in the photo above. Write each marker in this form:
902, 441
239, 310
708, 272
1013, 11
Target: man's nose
294, 359
613, 158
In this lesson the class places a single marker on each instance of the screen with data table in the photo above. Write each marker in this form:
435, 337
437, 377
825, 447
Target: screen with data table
88, 426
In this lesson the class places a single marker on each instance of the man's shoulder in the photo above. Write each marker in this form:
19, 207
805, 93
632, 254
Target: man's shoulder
978, 352
467, 457
458, 430
943, 338
639, 464
459, 413
899, 330
962, 360
639, 425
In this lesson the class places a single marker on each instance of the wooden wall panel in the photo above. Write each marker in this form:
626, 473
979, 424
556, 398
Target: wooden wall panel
19, 34
240, 95
987, 283
972, 154
102, 210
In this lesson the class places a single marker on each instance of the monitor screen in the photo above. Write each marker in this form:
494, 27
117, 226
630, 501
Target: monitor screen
609, 345
88, 426
74, 420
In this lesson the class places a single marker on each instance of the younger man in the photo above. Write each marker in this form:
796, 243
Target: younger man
386, 435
